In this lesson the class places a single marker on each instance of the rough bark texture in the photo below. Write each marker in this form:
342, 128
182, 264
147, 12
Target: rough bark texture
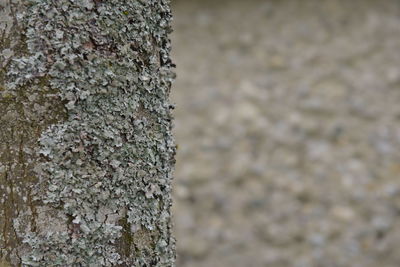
86, 151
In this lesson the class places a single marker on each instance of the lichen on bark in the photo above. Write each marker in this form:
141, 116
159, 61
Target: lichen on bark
86, 92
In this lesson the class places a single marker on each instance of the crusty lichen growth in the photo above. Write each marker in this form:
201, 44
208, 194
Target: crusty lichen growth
105, 170
25, 112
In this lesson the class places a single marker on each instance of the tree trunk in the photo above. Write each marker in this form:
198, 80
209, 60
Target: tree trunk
86, 152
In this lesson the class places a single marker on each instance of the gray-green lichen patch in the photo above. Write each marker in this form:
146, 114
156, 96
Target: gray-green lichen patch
6, 18
110, 161
25, 112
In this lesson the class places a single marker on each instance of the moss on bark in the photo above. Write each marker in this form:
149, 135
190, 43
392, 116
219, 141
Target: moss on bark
86, 146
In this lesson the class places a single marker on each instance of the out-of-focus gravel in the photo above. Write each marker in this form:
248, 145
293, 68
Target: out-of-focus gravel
288, 125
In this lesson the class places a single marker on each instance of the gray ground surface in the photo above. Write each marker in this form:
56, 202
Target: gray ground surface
288, 125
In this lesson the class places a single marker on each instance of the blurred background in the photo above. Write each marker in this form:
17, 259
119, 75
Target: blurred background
288, 126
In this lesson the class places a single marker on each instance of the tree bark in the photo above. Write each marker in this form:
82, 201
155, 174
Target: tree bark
86, 150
